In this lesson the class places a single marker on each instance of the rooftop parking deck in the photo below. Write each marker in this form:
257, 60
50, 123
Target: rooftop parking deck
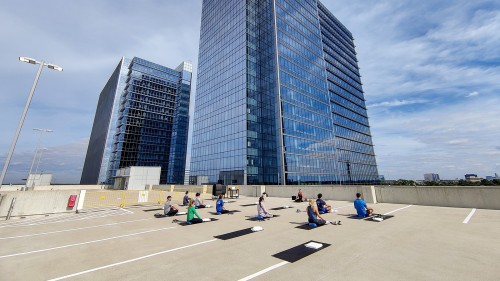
418, 243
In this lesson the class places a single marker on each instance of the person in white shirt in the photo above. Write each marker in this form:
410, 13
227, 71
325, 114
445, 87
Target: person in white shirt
198, 202
170, 209
261, 209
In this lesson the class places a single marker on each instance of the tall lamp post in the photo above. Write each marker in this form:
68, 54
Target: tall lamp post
33, 179
40, 158
26, 107
41, 131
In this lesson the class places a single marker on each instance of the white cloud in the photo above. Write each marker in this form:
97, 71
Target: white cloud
472, 94
429, 51
65, 162
458, 141
397, 103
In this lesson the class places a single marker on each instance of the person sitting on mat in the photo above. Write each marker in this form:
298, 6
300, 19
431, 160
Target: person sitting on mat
169, 209
300, 196
313, 214
185, 200
361, 208
219, 205
322, 206
261, 209
198, 202
192, 212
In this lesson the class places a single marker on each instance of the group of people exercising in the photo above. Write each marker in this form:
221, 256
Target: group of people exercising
314, 209
193, 217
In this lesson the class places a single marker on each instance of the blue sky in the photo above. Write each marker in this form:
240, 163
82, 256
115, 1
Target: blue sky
430, 69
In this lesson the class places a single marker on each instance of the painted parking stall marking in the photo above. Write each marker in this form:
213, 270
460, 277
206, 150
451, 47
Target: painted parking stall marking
83, 243
72, 229
467, 219
130, 260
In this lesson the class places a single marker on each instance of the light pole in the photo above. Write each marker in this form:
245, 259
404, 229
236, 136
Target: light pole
37, 164
26, 107
40, 158
41, 131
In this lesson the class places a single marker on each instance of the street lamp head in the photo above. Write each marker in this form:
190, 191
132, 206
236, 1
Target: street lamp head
43, 130
29, 60
54, 67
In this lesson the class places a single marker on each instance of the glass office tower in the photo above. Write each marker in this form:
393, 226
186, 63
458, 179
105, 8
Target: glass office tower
141, 119
279, 97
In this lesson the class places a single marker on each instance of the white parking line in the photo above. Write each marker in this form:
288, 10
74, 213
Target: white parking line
130, 212
249, 277
467, 219
131, 260
72, 229
398, 210
83, 243
68, 218
343, 207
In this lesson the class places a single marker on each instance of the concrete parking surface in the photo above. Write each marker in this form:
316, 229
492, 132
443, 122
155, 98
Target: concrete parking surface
418, 243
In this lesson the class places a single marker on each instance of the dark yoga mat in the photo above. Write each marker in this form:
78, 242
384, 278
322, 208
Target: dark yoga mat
255, 218
299, 252
307, 227
248, 205
150, 210
385, 217
279, 208
184, 223
230, 212
234, 234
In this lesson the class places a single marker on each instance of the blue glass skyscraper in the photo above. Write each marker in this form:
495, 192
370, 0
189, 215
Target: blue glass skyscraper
142, 119
279, 97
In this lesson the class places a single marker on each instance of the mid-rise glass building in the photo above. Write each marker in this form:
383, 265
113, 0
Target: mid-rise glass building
142, 119
279, 97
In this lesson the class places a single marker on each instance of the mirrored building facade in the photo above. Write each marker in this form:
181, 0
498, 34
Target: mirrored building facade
279, 97
142, 119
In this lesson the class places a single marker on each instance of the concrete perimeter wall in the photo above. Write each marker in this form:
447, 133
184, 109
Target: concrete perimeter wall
36, 202
54, 187
480, 197
55, 201
346, 193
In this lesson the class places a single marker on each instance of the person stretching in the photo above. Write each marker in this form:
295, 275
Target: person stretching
261, 209
169, 209
198, 202
219, 205
313, 214
192, 212
185, 200
300, 196
322, 206
361, 208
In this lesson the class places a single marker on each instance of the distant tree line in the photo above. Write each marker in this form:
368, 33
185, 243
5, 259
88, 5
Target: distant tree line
483, 182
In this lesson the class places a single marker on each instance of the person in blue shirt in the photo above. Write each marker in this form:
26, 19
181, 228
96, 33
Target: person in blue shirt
219, 206
360, 206
185, 200
322, 206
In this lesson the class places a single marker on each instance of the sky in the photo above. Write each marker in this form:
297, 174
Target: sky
430, 72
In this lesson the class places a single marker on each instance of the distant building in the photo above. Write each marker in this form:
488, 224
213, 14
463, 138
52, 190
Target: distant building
186, 177
279, 98
38, 179
431, 177
137, 178
472, 178
490, 178
141, 120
